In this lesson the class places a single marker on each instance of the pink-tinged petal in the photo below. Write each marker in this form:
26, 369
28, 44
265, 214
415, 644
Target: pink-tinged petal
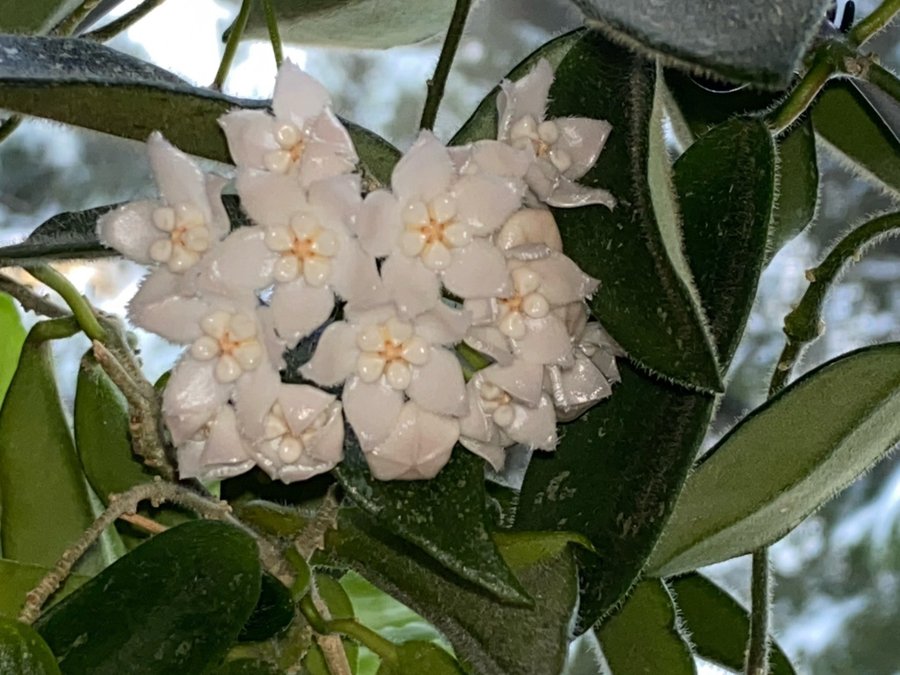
438, 386
372, 410
250, 136
546, 341
495, 455
269, 198
542, 177
323, 160
298, 309
574, 316
491, 342
530, 226
583, 139
192, 397
187, 456
424, 172
179, 179
418, 448
130, 230
301, 404
476, 424
274, 345
482, 310
521, 380
298, 96
534, 427
527, 96
577, 388
379, 225
410, 285
567, 195
335, 356
443, 325
485, 202
159, 308
354, 276
225, 453
478, 271
241, 262
220, 225
562, 281
498, 158
323, 453
328, 128
336, 199
254, 395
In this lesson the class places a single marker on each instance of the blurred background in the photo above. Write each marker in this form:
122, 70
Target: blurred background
837, 575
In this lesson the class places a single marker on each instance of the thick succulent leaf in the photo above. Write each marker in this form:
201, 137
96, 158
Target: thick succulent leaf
733, 39
786, 459
718, 625
725, 183
845, 120
34, 16
173, 605
23, 652
12, 335
489, 638
644, 635
647, 300
88, 85
36, 449
20, 578
614, 478
358, 24
447, 516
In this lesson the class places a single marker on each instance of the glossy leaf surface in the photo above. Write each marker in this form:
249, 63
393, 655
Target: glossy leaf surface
12, 335
19, 578
23, 652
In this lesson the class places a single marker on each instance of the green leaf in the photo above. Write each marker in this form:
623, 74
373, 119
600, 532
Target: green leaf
786, 459
718, 625
20, 578
88, 85
12, 335
726, 183
614, 478
418, 657
488, 637
339, 606
247, 667
447, 516
33, 16
729, 38
644, 636
173, 605
23, 652
845, 120
273, 613
36, 449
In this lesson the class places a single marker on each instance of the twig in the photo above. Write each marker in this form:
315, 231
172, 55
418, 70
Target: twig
445, 61
123, 23
234, 39
312, 537
80, 307
760, 608
274, 34
876, 21
31, 301
143, 523
68, 25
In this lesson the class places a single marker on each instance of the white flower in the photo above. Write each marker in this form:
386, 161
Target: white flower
303, 245
507, 406
562, 149
383, 360
434, 226
217, 450
303, 139
177, 230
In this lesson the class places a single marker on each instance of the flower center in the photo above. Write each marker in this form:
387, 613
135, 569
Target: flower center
432, 231
527, 133
527, 301
283, 445
232, 339
188, 236
497, 403
292, 142
306, 248
390, 349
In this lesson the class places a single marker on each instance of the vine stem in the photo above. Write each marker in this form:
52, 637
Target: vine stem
80, 307
438, 81
124, 22
68, 25
879, 19
274, 34
885, 80
234, 39
761, 604
384, 648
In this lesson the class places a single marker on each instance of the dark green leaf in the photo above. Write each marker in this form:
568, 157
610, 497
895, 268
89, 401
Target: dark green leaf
246, 667
718, 625
845, 120
273, 613
172, 605
733, 39
12, 335
20, 578
23, 652
644, 637
488, 637
33, 16
614, 478
415, 658
36, 449
786, 459
725, 183
447, 516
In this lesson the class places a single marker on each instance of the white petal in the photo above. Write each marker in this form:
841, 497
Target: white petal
241, 262
562, 281
335, 356
269, 337
250, 137
129, 229
542, 177
192, 397
477, 424
485, 202
424, 172
355, 276
321, 161
577, 387
159, 308
535, 427
582, 139
180, 180
269, 198
493, 453
419, 446
379, 225
225, 453
325, 451
371, 409
498, 158
220, 225
301, 404
491, 342
438, 386
530, 226
298, 309
520, 379
336, 199
298, 96
254, 395
187, 456
478, 271
527, 96
328, 130
443, 325
568, 194
546, 341
410, 285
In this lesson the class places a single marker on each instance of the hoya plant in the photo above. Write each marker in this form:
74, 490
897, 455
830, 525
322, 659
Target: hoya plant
439, 409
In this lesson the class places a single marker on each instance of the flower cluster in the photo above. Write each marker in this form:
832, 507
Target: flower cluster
461, 249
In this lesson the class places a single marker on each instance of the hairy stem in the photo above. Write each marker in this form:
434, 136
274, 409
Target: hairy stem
124, 22
883, 15
445, 61
80, 307
31, 301
54, 329
274, 35
885, 80
761, 600
385, 649
234, 39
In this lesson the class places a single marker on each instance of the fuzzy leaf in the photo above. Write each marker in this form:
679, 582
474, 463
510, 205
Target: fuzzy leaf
718, 625
644, 637
20, 578
33, 16
418, 657
12, 335
734, 39
786, 459
23, 652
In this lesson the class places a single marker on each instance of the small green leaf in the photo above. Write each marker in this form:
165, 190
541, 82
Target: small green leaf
273, 613
33, 16
173, 605
786, 459
23, 652
718, 625
488, 637
415, 658
36, 449
339, 606
644, 637
20, 578
446, 516
845, 120
12, 335
728, 38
